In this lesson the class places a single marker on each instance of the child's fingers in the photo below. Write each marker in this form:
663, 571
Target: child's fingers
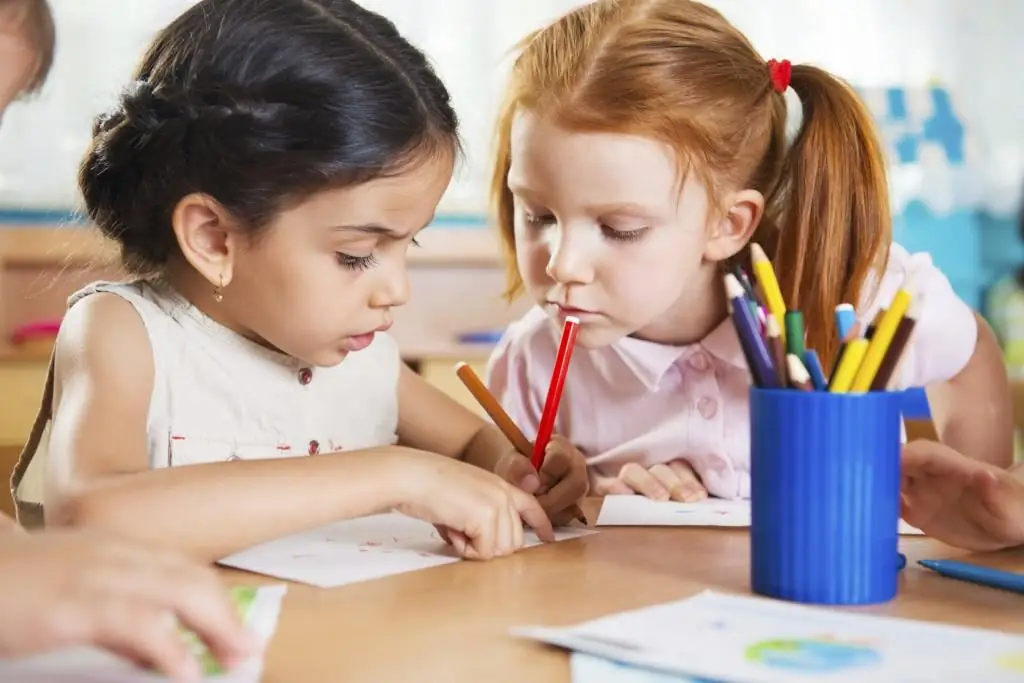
557, 461
445, 533
668, 478
202, 604
693, 487
531, 512
565, 473
680, 481
144, 636
609, 486
924, 458
517, 470
994, 496
641, 481
461, 544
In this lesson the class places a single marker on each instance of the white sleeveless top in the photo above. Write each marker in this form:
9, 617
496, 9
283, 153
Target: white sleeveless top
218, 396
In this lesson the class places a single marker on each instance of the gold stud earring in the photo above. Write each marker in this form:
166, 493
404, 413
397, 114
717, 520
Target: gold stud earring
218, 291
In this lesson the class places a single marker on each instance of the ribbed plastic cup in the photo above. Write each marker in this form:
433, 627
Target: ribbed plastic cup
825, 491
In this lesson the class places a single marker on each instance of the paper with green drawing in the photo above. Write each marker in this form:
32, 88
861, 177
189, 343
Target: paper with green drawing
258, 607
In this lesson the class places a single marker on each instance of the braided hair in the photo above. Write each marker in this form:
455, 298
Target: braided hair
259, 104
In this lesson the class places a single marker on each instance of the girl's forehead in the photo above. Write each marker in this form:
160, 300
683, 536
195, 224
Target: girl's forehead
619, 166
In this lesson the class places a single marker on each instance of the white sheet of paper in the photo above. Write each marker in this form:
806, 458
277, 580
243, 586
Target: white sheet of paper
755, 640
358, 550
623, 510
90, 665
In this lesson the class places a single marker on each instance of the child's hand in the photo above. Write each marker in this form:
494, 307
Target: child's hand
477, 512
67, 589
563, 478
674, 480
959, 500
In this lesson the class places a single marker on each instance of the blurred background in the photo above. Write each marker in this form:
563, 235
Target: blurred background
942, 77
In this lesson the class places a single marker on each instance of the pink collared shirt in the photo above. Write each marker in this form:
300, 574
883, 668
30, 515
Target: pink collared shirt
638, 401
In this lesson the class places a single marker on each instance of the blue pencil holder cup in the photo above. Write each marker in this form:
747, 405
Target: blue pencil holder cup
825, 491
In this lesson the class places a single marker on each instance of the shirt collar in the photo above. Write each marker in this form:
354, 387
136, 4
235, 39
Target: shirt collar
649, 361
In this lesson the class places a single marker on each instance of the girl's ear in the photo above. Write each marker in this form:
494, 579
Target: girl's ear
207, 237
731, 232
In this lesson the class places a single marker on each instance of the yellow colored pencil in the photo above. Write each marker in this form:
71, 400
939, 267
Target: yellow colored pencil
769, 287
882, 337
853, 355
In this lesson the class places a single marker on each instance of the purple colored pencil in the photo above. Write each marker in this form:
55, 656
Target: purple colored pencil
761, 367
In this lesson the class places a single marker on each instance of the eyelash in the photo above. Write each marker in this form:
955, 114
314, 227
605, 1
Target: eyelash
360, 262
356, 262
610, 233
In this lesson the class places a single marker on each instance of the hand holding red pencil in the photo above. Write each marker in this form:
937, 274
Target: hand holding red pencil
559, 485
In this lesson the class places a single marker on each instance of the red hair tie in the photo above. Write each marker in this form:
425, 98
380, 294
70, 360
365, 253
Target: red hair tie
780, 73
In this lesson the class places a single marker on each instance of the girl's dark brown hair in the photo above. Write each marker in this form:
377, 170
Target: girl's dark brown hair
677, 71
33, 20
259, 104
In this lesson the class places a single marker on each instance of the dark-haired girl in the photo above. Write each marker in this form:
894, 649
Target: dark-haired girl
265, 175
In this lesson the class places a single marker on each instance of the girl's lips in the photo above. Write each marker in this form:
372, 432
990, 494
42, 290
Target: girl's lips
569, 310
359, 341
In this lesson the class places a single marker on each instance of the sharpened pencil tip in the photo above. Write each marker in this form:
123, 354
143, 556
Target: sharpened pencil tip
733, 288
757, 253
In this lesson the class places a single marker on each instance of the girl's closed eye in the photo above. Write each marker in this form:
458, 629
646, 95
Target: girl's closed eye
537, 219
356, 262
363, 262
624, 235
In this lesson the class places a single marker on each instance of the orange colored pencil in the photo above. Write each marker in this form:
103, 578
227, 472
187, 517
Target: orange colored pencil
486, 399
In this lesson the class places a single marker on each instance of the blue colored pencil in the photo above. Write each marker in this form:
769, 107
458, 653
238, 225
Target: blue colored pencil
813, 365
756, 351
846, 318
972, 573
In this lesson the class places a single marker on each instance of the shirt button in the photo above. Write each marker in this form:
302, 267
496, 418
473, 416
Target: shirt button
699, 361
708, 407
314, 447
305, 376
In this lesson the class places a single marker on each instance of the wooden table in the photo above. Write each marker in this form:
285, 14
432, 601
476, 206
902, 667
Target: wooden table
450, 623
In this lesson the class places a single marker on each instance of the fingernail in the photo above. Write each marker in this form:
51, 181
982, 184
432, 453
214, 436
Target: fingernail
694, 493
530, 483
661, 495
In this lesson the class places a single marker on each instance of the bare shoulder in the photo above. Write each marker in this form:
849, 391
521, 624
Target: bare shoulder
103, 383
103, 338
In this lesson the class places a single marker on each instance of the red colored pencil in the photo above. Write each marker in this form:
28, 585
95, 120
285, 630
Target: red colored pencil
554, 397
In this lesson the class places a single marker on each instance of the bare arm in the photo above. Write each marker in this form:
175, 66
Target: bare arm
973, 412
98, 473
430, 420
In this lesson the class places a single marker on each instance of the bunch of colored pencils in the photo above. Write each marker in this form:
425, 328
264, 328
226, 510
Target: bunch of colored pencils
773, 342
